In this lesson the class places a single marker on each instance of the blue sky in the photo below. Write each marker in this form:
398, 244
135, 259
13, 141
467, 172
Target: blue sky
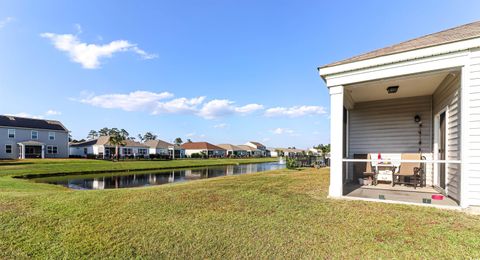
219, 71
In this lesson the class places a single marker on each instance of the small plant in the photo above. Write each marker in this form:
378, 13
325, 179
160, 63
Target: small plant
291, 163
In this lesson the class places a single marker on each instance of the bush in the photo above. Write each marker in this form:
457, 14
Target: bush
292, 163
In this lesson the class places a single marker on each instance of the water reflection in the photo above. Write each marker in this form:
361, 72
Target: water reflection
122, 180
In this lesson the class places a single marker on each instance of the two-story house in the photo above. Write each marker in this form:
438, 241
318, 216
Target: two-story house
22, 138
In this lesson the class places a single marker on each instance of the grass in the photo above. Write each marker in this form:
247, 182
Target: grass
35, 167
277, 214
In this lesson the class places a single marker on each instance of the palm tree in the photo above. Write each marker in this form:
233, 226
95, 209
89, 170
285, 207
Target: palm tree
189, 140
117, 138
147, 136
104, 131
92, 135
178, 141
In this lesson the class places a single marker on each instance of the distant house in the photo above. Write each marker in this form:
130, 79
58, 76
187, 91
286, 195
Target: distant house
159, 147
233, 150
260, 147
102, 148
288, 152
22, 138
208, 149
251, 151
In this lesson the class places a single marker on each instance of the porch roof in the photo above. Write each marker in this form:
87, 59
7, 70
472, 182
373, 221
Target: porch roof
35, 143
460, 33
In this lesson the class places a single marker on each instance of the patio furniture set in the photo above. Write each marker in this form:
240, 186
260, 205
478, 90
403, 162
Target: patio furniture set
396, 172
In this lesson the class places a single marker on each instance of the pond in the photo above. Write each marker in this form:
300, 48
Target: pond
140, 179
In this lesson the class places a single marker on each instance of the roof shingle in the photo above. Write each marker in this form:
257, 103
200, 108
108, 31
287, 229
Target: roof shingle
23, 122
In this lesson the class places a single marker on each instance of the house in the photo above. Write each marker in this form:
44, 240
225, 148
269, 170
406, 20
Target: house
251, 151
258, 146
288, 152
162, 148
233, 150
421, 97
208, 149
102, 148
22, 138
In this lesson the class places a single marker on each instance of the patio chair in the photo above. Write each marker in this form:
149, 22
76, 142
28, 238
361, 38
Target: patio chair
370, 172
409, 173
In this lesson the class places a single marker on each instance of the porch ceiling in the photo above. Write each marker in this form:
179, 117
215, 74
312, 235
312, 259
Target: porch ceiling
409, 86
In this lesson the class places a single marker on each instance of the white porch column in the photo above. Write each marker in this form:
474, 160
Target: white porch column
464, 136
43, 151
22, 146
336, 141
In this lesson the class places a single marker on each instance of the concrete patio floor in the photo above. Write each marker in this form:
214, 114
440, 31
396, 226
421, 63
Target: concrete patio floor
408, 194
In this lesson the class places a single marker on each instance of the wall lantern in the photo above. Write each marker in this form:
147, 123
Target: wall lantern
418, 119
392, 89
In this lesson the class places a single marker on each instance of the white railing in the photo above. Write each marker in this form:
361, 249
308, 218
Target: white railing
400, 161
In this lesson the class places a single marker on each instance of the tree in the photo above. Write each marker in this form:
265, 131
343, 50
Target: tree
178, 141
92, 135
324, 148
147, 136
117, 138
189, 140
104, 131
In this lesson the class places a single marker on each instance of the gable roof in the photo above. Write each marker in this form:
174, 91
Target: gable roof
23, 122
200, 145
158, 144
230, 147
105, 140
460, 33
85, 143
257, 144
247, 147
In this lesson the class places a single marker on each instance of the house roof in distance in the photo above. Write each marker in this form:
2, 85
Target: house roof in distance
247, 147
463, 32
230, 147
257, 144
105, 140
158, 144
34, 123
200, 146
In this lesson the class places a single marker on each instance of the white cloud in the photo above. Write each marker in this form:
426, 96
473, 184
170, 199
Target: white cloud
195, 135
25, 114
89, 54
281, 131
53, 113
179, 105
133, 101
222, 107
221, 125
5, 21
295, 111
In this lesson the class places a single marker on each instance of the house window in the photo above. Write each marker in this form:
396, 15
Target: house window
11, 133
51, 149
85, 150
51, 135
142, 151
8, 148
127, 151
34, 135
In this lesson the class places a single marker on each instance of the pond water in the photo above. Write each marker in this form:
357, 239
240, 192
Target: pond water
140, 179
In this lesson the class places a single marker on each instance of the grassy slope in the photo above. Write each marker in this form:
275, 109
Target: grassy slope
46, 166
280, 214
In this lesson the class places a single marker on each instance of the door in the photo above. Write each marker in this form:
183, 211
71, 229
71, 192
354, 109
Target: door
441, 150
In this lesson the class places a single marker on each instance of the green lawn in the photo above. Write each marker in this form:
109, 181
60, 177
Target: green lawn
278, 214
61, 166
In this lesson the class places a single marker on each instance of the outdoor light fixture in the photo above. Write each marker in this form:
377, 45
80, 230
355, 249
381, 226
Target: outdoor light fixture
418, 119
392, 89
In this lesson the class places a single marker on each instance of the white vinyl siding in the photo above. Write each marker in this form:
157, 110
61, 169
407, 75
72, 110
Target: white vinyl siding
447, 96
473, 131
388, 126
